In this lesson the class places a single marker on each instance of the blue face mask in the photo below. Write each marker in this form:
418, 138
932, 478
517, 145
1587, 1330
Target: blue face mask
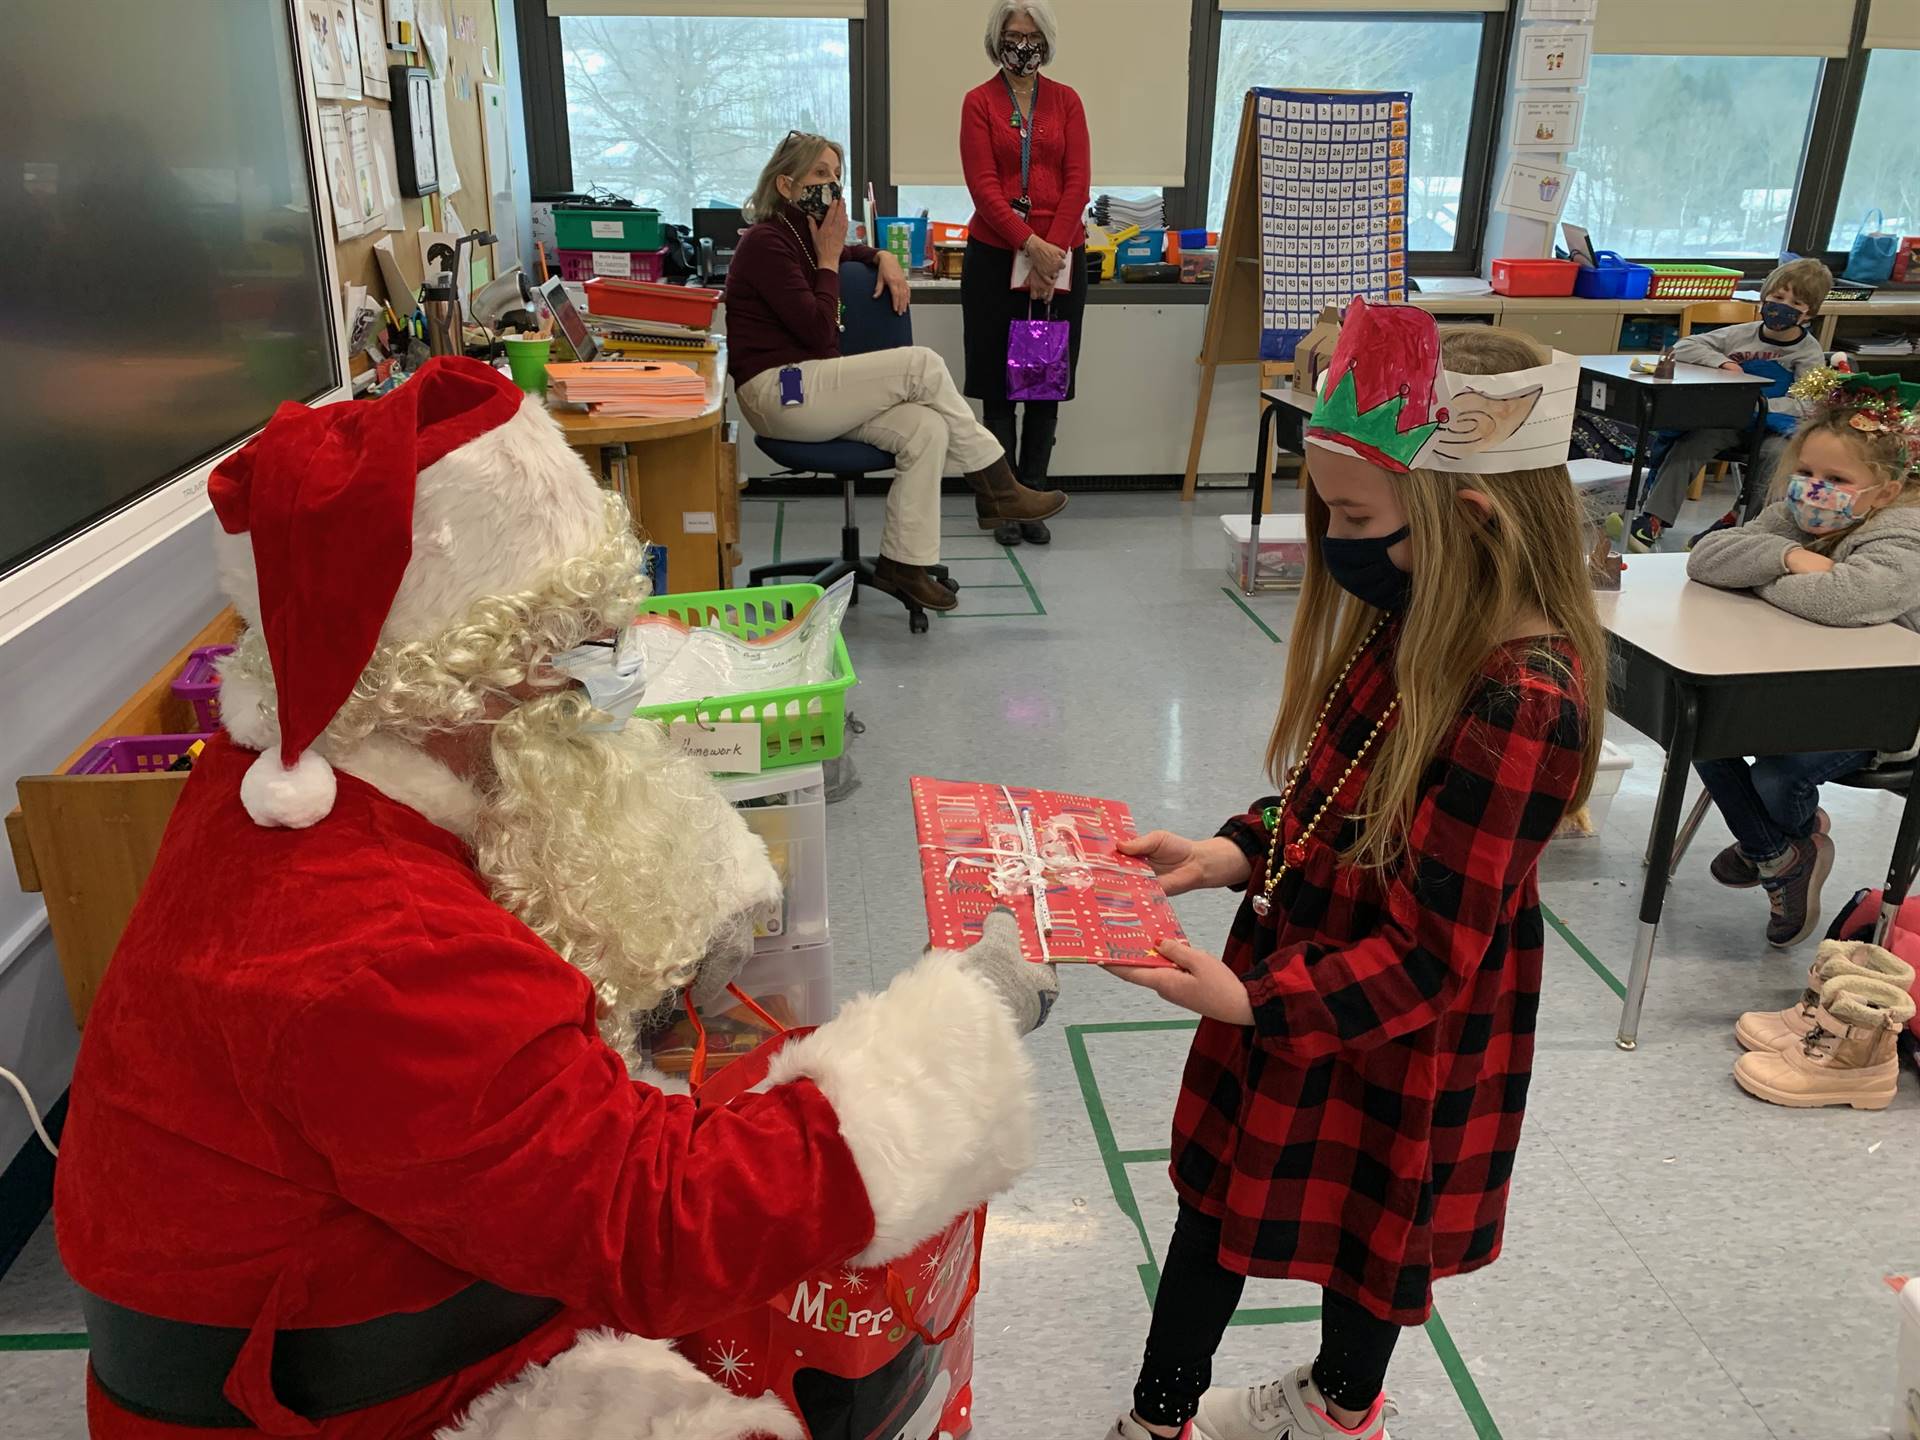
1821, 507
1362, 569
1779, 317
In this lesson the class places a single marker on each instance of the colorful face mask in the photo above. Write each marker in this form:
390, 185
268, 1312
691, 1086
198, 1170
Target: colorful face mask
1779, 317
1821, 507
817, 200
1023, 57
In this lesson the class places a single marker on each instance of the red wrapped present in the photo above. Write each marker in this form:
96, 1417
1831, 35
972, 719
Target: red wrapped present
1048, 856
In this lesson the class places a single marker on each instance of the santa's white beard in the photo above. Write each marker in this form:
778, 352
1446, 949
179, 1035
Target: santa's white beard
618, 853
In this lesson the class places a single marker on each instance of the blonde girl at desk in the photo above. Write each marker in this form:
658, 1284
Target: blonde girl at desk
1839, 545
1354, 1096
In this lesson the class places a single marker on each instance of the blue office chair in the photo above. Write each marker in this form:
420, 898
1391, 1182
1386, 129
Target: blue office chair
870, 325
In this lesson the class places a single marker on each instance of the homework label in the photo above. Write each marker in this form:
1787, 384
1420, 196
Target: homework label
730, 748
607, 229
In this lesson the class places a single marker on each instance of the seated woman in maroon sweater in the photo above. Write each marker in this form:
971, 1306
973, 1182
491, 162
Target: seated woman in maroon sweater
783, 315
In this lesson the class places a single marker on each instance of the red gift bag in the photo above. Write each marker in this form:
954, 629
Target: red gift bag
878, 1354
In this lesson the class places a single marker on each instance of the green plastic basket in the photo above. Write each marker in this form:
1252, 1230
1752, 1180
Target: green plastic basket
1693, 282
799, 725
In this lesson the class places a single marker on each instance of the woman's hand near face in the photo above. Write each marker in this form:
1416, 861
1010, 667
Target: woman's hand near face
830, 236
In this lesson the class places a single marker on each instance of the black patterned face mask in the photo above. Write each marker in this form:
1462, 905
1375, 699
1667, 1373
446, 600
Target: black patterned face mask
1023, 57
816, 200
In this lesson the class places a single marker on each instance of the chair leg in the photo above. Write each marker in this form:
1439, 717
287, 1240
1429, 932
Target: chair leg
1689, 827
1697, 486
849, 528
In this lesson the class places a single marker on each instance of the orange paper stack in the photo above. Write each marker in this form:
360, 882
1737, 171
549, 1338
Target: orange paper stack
654, 389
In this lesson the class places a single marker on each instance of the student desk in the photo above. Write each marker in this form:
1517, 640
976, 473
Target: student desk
1283, 416
1698, 397
1715, 673
679, 477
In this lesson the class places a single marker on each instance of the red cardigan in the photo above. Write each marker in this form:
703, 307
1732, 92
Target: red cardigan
1059, 176
782, 308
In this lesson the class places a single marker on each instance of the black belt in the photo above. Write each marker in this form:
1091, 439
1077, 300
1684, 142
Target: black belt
173, 1372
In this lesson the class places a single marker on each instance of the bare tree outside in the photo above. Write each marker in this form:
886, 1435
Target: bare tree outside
1437, 59
682, 111
1692, 156
1881, 173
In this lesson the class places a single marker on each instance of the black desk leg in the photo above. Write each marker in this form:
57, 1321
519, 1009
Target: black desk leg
1906, 849
1642, 398
1666, 825
1752, 493
1250, 562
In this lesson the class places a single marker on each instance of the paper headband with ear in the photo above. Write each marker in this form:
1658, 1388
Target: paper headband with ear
1386, 398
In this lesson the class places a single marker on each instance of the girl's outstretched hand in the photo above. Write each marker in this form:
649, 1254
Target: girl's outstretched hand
1184, 864
1200, 982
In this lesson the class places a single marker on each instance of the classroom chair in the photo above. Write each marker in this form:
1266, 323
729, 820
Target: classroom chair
1275, 374
870, 325
1715, 312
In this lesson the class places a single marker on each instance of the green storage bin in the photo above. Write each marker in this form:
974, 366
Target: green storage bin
798, 726
596, 228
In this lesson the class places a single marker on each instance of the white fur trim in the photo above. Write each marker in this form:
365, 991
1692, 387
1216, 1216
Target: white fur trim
659, 1079
246, 712
492, 518
620, 1387
934, 1093
414, 778
288, 799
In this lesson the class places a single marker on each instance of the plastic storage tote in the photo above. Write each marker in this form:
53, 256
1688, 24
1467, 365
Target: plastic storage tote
788, 810
1692, 282
1534, 277
199, 685
1283, 548
603, 228
1613, 768
134, 755
647, 265
1149, 247
798, 725
663, 304
1613, 279
794, 986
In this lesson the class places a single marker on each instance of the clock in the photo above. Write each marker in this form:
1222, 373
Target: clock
413, 130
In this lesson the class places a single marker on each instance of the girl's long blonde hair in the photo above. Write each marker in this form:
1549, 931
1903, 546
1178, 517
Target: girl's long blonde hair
1474, 575
793, 157
1885, 455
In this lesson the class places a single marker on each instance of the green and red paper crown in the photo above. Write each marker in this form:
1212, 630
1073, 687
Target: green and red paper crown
1384, 396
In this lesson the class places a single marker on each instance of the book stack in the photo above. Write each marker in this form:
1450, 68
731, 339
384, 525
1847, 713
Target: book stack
648, 390
1111, 213
652, 337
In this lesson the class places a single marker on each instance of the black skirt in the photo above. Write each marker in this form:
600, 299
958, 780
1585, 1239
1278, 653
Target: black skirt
989, 305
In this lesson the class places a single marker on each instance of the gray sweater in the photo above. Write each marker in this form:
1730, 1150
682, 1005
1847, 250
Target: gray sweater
1875, 576
1743, 344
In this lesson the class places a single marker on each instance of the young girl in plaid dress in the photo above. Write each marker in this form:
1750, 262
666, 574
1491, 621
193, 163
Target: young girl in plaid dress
1354, 1095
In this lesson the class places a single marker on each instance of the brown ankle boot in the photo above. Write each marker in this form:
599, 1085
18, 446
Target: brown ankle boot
1780, 1029
1858, 1064
998, 497
914, 584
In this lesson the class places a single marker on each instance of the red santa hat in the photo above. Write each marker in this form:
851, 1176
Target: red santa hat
385, 520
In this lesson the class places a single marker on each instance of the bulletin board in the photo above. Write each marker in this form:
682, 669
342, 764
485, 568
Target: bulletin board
473, 47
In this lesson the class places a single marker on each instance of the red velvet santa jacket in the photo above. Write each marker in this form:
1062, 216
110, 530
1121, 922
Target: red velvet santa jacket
328, 1079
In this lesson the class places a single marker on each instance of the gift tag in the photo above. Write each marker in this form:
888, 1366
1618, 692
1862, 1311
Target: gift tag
726, 748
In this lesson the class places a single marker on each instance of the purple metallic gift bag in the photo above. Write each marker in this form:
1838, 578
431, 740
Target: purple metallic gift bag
1039, 363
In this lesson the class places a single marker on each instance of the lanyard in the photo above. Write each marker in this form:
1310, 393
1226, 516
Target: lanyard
1024, 124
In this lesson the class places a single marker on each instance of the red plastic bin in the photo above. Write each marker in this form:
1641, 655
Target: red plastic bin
663, 304
1534, 277
134, 755
648, 265
198, 683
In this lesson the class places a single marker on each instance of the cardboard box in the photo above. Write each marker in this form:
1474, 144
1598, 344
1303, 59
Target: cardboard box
1314, 353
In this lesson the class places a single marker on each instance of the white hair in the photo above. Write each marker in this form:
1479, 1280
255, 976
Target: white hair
1038, 11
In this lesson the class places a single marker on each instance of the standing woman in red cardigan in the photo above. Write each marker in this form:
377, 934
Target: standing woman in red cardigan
1025, 153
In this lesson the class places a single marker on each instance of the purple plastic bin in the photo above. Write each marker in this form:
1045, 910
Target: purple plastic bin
134, 755
199, 685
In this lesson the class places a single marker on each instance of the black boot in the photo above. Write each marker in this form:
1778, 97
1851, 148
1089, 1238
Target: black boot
1037, 433
999, 418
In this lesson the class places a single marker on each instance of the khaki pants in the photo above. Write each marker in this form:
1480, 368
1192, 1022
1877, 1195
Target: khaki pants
901, 401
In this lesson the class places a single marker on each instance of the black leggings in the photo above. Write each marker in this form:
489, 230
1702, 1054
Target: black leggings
1027, 441
1197, 1298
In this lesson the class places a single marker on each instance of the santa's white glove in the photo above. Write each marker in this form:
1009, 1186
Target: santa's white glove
727, 955
1027, 988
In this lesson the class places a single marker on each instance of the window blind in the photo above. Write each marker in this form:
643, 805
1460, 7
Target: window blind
1894, 25
1723, 27
1127, 58
720, 9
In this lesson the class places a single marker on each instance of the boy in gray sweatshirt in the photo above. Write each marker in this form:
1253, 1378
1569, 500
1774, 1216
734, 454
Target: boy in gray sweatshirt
1779, 345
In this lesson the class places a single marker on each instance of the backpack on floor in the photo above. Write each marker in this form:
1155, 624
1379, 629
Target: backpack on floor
1857, 920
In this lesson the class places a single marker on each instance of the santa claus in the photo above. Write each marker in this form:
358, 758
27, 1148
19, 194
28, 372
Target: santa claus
354, 1148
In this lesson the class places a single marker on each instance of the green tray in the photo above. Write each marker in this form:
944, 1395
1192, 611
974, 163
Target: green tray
799, 725
1692, 282
599, 228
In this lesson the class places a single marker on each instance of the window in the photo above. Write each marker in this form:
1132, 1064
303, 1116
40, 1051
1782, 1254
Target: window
682, 111
1436, 57
1880, 170
1692, 156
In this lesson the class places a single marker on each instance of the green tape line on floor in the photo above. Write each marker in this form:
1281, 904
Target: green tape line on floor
1117, 1178
1579, 948
43, 1342
1248, 611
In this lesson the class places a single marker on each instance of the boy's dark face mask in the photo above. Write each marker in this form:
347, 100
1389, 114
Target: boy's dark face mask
1779, 317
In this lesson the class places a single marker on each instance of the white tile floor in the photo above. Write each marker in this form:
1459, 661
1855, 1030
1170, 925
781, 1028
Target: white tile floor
1681, 1259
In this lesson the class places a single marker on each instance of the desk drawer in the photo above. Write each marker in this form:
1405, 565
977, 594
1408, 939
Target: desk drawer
1576, 332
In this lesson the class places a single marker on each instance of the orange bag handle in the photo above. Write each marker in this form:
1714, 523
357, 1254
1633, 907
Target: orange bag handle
697, 1075
903, 1307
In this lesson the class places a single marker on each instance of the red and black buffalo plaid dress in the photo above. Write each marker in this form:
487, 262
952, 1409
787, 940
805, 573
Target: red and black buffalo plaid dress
1361, 1134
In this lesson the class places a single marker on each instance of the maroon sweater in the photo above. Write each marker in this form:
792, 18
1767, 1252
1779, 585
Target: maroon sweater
782, 308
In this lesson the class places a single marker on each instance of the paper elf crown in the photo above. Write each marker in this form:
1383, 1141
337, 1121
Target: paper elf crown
1386, 399
1874, 404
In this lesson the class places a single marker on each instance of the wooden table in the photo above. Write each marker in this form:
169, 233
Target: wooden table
1712, 673
680, 478
1698, 397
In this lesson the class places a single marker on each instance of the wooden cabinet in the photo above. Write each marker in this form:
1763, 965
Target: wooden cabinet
1590, 329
